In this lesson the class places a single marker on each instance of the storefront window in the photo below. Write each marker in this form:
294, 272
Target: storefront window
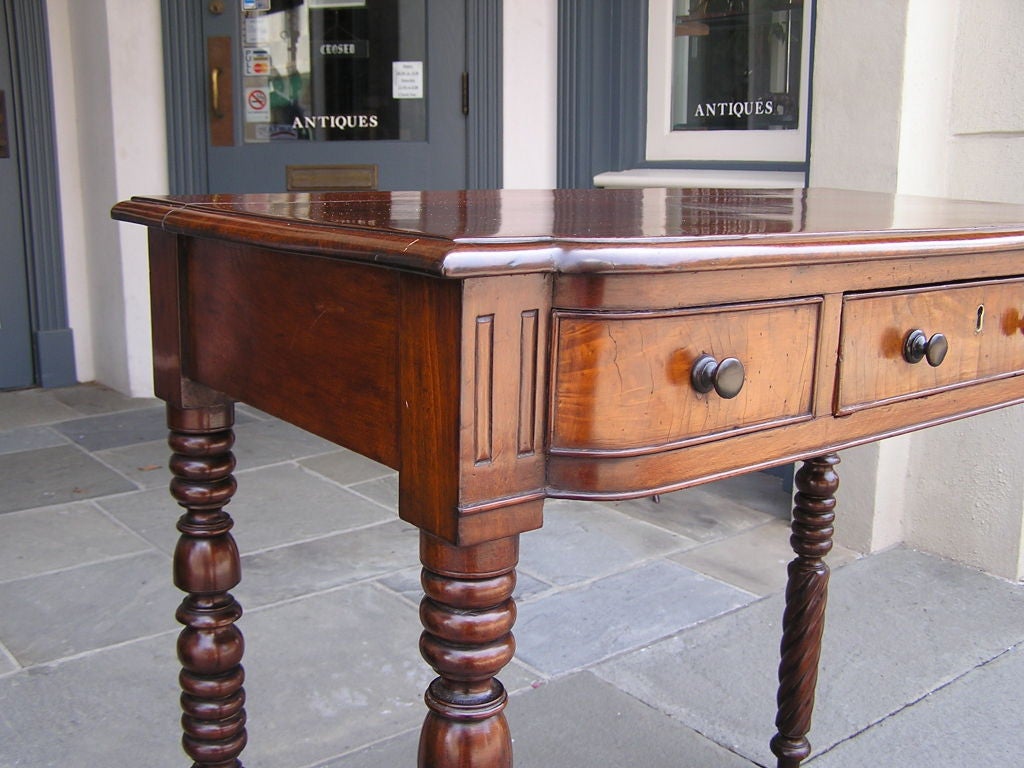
334, 70
736, 65
727, 80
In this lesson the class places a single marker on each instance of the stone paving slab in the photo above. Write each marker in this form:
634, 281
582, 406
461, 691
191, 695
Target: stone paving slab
327, 562
708, 513
582, 722
29, 439
900, 624
7, 661
93, 399
32, 407
273, 506
81, 609
110, 430
972, 721
258, 443
754, 560
577, 722
145, 464
49, 476
581, 541
332, 673
67, 714
346, 467
36, 541
573, 628
383, 490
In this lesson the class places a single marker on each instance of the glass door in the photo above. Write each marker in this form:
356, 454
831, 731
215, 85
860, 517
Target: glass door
336, 94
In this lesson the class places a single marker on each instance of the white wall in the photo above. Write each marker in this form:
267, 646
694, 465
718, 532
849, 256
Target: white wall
857, 92
73, 215
108, 103
987, 148
966, 480
926, 97
530, 91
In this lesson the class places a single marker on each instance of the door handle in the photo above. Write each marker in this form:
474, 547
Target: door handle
221, 105
215, 73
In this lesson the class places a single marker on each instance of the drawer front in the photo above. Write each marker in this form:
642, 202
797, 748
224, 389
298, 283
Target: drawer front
980, 321
622, 382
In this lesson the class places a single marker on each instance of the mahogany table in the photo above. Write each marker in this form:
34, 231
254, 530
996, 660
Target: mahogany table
502, 347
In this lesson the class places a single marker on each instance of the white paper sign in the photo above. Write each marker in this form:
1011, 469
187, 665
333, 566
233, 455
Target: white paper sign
256, 30
407, 79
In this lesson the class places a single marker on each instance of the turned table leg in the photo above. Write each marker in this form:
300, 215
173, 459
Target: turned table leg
206, 566
804, 617
467, 614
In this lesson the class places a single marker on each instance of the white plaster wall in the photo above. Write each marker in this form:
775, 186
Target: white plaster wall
73, 221
108, 93
86, 159
966, 497
927, 98
967, 492
987, 86
902, 98
857, 92
987, 147
529, 106
137, 88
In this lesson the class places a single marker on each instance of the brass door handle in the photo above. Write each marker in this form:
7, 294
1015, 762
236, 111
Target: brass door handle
215, 92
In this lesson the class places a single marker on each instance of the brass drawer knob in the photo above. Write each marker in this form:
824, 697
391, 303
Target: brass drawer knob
725, 377
917, 347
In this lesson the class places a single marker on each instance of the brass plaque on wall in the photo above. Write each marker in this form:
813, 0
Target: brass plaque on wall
325, 178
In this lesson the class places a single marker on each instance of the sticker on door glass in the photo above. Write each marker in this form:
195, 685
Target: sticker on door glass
256, 29
255, 5
257, 62
407, 79
257, 105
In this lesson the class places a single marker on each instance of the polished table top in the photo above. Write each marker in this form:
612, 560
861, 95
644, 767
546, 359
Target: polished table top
463, 233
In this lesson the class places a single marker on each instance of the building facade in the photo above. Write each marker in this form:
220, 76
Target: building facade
907, 96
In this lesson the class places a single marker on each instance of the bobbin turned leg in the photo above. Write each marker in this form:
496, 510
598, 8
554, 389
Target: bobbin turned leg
206, 566
804, 618
467, 615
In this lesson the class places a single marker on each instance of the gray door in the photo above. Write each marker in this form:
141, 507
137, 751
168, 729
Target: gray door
335, 94
16, 369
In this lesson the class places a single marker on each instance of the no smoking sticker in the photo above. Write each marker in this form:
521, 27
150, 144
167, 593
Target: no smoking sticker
257, 105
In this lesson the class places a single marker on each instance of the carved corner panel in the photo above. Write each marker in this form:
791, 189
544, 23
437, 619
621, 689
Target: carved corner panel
505, 324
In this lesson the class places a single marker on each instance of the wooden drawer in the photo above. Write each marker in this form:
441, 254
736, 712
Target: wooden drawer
981, 323
622, 380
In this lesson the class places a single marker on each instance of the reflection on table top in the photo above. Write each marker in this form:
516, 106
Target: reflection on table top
459, 233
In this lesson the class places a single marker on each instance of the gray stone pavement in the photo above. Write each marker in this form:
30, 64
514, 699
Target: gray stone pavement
647, 633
